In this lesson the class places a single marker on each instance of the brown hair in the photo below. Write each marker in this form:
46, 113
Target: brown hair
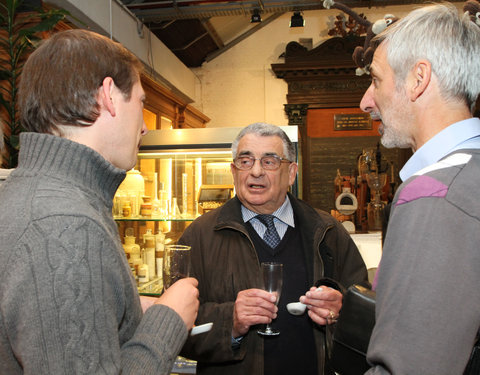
60, 80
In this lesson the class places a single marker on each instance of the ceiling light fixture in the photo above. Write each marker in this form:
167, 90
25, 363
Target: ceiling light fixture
297, 20
256, 16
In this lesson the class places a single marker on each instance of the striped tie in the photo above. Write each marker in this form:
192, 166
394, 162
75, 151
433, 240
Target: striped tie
271, 236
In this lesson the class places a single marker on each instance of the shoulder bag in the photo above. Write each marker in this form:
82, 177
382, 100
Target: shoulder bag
349, 343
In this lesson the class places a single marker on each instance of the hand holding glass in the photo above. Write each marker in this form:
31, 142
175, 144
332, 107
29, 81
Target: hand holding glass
272, 282
176, 264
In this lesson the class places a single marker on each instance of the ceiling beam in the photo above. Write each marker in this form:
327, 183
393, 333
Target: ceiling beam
185, 9
213, 33
243, 36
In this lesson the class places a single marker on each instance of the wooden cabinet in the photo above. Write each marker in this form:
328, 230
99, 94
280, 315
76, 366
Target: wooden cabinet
168, 109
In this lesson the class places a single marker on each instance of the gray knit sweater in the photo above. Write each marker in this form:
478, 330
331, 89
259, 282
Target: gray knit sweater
428, 295
68, 301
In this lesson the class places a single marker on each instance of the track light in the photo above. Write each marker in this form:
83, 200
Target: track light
297, 20
256, 16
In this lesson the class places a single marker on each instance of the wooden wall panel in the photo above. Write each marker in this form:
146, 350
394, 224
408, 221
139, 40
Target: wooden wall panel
320, 123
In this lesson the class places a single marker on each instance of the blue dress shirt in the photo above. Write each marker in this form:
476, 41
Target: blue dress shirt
460, 135
283, 218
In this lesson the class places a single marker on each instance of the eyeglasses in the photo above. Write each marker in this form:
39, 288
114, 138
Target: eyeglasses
269, 162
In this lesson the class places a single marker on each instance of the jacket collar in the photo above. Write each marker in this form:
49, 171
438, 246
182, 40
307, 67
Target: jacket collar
230, 215
313, 225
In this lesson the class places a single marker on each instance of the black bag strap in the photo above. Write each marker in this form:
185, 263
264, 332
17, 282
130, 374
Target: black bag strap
347, 340
473, 365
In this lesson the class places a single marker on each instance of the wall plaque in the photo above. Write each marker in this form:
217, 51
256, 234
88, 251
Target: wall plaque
355, 121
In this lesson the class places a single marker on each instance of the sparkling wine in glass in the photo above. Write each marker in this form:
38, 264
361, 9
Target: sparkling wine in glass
176, 264
272, 282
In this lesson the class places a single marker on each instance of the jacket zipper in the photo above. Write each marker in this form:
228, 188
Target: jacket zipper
322, 266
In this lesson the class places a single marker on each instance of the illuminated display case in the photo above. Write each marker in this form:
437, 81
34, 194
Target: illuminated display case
180, 174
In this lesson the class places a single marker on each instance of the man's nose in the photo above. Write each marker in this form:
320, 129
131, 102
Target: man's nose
257, 168
367, 103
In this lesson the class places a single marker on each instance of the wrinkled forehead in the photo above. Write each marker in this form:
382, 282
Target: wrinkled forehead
380, 67
257, 145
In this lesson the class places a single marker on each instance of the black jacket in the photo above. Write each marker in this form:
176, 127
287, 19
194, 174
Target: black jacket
225, 262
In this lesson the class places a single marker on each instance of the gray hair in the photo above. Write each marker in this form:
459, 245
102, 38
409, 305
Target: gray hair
266, 130
449, 41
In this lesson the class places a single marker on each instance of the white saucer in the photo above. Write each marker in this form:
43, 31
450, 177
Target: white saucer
201, 329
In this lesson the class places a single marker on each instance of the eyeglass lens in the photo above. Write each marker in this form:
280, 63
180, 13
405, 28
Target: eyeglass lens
270, 162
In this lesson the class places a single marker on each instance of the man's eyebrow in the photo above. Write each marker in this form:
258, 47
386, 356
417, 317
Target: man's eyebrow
373, 70
270, 154
249, 153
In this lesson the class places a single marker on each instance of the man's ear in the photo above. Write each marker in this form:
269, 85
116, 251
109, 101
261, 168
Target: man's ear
421, 76
106, 95
292, 172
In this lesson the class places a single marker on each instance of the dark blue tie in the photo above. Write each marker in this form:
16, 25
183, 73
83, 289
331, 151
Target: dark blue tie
271, 236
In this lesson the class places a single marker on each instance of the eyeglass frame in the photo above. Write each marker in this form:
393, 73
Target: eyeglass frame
282, 160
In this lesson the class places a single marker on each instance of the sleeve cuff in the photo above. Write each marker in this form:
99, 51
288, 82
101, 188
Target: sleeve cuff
236, 342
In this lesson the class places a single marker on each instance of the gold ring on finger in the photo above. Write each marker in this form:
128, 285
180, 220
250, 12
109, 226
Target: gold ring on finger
332, 317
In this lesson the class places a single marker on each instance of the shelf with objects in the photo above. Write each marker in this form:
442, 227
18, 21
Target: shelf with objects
157, 201
362, 203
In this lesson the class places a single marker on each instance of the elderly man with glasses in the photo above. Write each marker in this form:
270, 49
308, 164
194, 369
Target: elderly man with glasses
265, 223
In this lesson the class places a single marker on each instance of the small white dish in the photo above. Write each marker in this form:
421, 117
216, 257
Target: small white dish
201, 329
298, 308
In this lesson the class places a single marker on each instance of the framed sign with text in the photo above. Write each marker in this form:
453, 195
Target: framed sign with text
354, 121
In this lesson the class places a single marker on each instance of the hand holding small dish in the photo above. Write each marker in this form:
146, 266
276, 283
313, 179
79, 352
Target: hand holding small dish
298, 308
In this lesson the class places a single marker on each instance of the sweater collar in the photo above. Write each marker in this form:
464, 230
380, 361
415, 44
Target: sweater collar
46, 154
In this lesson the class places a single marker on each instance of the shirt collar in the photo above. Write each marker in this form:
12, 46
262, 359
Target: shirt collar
284, 213
454, 137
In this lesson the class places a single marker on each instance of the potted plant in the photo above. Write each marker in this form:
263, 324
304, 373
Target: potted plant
20, 31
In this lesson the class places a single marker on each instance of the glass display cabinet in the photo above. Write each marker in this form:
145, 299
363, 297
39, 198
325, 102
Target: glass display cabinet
180, 174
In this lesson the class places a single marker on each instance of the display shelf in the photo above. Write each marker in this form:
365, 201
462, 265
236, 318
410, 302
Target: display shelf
184, 366
152, 288
162, 219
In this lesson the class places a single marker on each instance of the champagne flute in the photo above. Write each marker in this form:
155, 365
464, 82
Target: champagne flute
176, 264
272, 282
